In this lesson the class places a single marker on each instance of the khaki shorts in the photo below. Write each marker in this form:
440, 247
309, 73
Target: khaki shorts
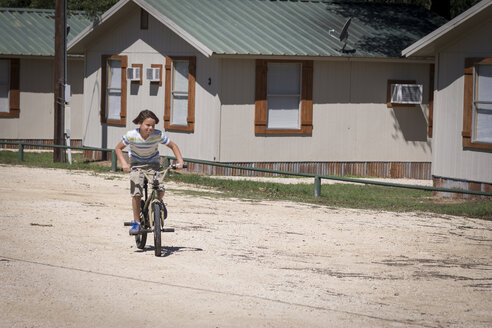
137, 179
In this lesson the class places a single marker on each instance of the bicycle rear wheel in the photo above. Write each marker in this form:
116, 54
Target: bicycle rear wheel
157, 228
141, 239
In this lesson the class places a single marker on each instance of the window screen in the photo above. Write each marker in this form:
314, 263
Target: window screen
4, 86
114, 90
179, 104
283, 95
482, 105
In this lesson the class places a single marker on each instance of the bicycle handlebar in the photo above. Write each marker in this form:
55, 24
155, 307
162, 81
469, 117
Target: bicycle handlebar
150, 178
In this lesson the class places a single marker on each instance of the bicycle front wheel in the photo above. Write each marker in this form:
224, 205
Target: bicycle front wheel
157, 228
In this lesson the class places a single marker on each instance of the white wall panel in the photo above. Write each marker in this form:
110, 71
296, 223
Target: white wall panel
351, 121
36, 119
449, 158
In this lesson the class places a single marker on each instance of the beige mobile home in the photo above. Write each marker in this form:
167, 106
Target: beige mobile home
295, 85
462, 136
27, 78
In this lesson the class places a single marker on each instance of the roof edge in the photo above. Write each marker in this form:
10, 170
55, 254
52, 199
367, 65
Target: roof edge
104, 17
175, 28
438, 33
160, 17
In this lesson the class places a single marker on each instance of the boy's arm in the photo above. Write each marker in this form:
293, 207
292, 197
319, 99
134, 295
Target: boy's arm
177, 153
119, 153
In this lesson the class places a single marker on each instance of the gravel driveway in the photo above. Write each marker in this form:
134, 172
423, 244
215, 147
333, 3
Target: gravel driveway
66, 260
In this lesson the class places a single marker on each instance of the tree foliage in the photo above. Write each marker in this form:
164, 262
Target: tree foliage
446, 8
92, 8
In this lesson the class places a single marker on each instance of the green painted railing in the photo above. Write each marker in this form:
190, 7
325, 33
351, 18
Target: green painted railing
318, 178
21, 146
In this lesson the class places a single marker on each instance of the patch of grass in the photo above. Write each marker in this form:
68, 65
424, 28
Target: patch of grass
336, 195
45, 159
346, 195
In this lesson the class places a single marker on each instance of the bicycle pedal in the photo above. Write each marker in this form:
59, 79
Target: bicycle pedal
168, 230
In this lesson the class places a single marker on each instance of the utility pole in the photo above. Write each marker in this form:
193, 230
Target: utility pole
60, 77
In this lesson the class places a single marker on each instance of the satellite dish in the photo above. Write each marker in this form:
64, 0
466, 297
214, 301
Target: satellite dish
343, 37
344, 34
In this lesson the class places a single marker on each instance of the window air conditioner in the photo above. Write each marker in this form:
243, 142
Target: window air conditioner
133, 73
406, 94
154, 74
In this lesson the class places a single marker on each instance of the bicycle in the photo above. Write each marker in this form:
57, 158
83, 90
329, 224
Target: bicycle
153, 211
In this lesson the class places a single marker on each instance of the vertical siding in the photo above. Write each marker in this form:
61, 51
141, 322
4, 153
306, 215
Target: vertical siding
450, 160
350, 118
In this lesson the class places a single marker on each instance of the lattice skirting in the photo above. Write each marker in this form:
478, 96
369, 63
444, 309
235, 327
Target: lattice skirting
441, 182
73, 142
412, 170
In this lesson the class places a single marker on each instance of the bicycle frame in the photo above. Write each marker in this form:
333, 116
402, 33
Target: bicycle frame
148, 209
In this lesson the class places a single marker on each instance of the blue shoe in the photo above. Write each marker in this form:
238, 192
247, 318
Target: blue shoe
135, 229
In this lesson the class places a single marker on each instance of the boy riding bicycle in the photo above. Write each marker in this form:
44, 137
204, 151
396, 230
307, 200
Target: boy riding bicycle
144, 153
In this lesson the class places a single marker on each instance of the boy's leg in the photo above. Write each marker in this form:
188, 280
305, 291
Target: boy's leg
136, 186
136, 208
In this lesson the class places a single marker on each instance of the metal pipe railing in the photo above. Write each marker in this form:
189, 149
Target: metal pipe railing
319, 177
21, 146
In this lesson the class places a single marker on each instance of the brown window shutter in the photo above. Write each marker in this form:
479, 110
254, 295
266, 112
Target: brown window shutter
468, 101
14, 87
260, 97
191, 92
167, 93
124, 65
431, 100
307, 97
104, 76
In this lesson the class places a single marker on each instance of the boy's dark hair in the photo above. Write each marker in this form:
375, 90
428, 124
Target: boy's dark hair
145, 114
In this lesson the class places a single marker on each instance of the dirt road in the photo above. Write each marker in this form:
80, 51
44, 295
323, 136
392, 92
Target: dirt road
66, 260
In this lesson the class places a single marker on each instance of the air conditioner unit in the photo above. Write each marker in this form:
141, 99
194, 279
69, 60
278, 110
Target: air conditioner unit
133, 73
154, 74
406, 94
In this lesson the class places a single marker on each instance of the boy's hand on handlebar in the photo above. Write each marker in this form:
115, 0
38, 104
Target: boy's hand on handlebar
126, 167
179, 166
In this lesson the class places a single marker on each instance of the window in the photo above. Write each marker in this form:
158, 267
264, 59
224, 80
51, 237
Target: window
477, 107
179, 111
9, 88
113, 99
284, 96
283, 100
